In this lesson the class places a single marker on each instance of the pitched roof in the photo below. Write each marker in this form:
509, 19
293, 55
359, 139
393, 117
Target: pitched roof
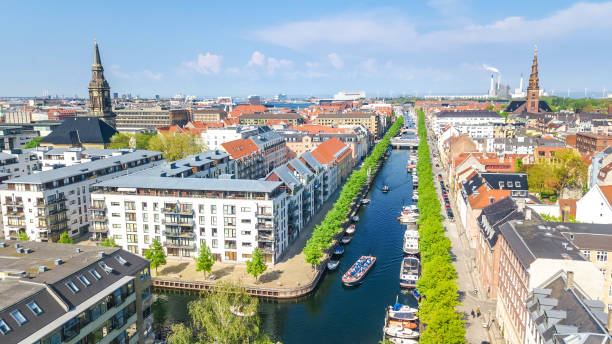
486, 196
606, 190
80, 130
470, 113
240, 148
331, 151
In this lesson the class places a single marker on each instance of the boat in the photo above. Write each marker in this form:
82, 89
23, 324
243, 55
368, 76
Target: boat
237, 311
332, 264
385, 188
416, 294
402, 312
365, 201
358, 271
395, 340
355, 218
399, 331
410, 271
411, 242
346, 239
409, 214
350, 229
339, 250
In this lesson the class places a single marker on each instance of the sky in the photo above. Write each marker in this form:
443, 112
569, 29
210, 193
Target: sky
238, 48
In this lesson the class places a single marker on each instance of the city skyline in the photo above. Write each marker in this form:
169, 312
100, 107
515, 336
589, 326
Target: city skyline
441, 47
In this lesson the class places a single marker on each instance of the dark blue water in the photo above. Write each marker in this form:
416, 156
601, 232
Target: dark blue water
334, 313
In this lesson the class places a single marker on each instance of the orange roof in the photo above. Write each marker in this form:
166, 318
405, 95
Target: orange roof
315, 129
606, 190
241, 109
326, 152
486, 196
568, 202
231, 121
240, 148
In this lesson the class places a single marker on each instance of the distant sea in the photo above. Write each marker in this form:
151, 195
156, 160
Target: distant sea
294, 106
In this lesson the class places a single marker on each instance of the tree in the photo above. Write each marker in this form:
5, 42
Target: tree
125, 140
120, 140
256, 265
156, 255
35, 142
175, 146
160, 312
23, 236
205, 260
65, 239
109, 242
181, 334
490, 107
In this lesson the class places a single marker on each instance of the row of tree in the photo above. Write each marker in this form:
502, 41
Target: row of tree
566, 170
324, 233
175, 146
438, 281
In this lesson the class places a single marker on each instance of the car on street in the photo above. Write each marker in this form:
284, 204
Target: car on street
447, 206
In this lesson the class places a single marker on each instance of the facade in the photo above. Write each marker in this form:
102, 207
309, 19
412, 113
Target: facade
595, 206
290, 118
46, 204
248, 159
99, 92
52, 158
208, 115
15, 137
212, 138
530, 255
475, 124
74, 294
16, 163
300, 142
368, 119
273, 146
150, 118
335, 152
231, 216
592, 142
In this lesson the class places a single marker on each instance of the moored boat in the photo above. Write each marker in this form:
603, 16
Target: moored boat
399, 331
385, 188
350, 229
346, 239
411, 242
410, 272
339, 250
358, 271
402, 312
395, 340
365, 201
332, 264
355, 218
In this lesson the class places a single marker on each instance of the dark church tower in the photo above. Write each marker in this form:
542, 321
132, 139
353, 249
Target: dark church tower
99, 92
533, 90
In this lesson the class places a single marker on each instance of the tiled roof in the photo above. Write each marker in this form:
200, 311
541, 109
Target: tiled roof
606, 190
331, 151
240, 148
486, 197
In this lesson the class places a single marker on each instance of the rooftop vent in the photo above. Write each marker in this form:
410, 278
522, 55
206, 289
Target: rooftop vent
101, 254
27, 250
58, 261
19, 250
78, 250
17, 244
3, 244
42, 268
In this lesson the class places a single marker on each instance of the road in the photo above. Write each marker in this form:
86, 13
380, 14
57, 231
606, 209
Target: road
468, 279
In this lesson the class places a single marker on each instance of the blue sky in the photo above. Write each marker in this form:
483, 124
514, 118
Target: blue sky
309, 48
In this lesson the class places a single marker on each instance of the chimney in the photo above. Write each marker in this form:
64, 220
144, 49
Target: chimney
569, 279
528, 214
491, 199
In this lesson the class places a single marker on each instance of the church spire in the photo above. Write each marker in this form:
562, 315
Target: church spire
97, 60
533, 90
99, 91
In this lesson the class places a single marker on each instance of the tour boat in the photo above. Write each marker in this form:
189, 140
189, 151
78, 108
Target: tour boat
358, 271
346, 239
399, 331
410, 271
402, 312
411, 242
332, 264
339, 250
385, 188
350, 229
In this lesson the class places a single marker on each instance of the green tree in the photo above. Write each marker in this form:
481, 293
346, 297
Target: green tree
109, 242
65, 239
35, 142
120, 140
160, 312
181, 334
175, 146
518, 165
23, 236
256, 266
156, 255
205, 260
490, 107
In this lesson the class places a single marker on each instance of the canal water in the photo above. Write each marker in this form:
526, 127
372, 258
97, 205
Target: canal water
334, 313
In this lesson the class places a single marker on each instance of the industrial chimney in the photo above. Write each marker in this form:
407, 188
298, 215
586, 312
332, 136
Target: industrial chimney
492, 87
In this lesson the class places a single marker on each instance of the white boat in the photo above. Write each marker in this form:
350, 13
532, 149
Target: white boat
355, 218
403, 341
350, 229
401, 332
411, 242
333, 264
365, 201
410, 272
402, 312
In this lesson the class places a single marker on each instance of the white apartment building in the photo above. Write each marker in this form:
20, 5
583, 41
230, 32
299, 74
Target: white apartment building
476, 124
212, 138
52, 158
45, 204
17, 162
231, 216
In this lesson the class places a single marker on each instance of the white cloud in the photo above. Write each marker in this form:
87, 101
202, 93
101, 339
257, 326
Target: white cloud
257, 59
282, 64
387, 29
206, 64
145, 74
335, 60
151, 75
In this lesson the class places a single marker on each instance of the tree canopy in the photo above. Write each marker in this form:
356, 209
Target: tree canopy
566, 170
35, 142
256, 266
205, 260
23, 236
175, 146
109, 242
127, 140
65, 239
156, 255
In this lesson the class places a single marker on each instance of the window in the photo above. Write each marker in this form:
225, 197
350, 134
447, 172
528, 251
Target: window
95, 274
603, 272
517, 184
19, 318
115, 204
121, 260
4, 328
202, 220
116, 215
147, 239
130, 205
130, 227
72, 287
201, 208
213, 209
132, 238
602, 256
215, 243
213, 220
145, 228
33, 306
229, 221
509, 184
501, 184
587, 254
84, 280
144, 206
229, 210
229, 232
116, 225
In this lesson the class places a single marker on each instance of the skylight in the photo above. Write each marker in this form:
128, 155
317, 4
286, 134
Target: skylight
35, 308
84, 280
19, 318
95, 274
72, 287
4, 328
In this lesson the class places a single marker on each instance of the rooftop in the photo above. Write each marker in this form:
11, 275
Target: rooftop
80, 130
198, 184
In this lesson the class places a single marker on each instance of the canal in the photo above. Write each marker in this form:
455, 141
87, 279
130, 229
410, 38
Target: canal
334, 313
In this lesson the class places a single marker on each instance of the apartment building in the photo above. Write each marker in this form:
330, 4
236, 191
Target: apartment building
335, 152
230, 216
15, 137
370, 120
51, 158
45, 204
15, 163
58, 293
290, 118
476, 124
150, 118
213, 138
299, 142
530, 255
248, 158
592, 142
208, 115
273, 145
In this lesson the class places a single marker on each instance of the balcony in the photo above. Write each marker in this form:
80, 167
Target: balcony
265, 226
188, 246
265, 238
55, 200
177, 210
179, 234
13, 202
265, 214
96, 229
97, 206
55, 210
267, 250
57, 221
99, 218
175, 222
